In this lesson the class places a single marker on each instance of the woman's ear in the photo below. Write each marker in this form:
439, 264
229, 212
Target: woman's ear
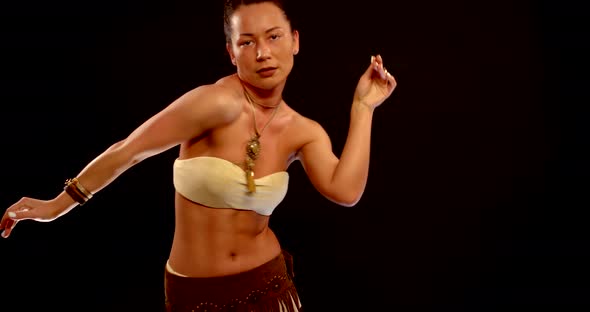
295, 42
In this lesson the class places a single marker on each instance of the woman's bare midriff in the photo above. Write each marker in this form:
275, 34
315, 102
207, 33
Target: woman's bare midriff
216, 242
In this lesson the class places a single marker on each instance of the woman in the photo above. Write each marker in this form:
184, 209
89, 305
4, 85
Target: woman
237, 138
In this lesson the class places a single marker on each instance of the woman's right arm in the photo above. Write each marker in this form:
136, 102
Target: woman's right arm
193, 113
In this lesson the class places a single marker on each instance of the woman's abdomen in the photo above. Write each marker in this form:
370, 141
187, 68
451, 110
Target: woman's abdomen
215, 242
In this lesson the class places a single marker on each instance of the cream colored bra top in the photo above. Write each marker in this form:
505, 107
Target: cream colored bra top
219, 183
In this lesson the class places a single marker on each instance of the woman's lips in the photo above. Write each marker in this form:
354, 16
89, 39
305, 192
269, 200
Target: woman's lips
267, 71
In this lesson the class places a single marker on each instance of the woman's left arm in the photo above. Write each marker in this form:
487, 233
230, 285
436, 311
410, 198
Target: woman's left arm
343, 180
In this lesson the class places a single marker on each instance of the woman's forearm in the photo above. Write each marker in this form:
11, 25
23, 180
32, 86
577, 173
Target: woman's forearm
352, 170
106, 167
101, 171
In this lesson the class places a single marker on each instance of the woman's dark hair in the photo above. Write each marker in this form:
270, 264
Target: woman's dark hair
231, 6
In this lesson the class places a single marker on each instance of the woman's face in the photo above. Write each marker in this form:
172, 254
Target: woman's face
262, 44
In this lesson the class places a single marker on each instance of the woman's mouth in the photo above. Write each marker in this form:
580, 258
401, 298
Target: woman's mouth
266, 71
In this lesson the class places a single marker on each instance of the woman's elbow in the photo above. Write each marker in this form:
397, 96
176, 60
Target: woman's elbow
348, 198
122, 156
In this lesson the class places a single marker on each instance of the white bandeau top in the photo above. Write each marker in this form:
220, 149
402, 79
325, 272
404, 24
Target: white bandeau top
218, 183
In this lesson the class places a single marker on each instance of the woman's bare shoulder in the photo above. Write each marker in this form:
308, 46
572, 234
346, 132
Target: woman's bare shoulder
302, 122
221, 91
303, 128
219, 97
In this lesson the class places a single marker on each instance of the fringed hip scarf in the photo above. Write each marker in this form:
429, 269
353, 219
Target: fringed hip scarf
266, 288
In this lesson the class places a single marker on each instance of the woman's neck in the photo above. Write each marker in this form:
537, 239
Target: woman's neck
263, 98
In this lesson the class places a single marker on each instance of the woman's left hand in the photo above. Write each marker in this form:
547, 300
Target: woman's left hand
375, 85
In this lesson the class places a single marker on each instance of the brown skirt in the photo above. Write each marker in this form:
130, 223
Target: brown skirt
268, 287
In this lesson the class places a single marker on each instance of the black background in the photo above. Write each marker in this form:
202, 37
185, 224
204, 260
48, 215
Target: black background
478, 185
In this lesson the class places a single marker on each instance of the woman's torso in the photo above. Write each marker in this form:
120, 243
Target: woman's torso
213, 241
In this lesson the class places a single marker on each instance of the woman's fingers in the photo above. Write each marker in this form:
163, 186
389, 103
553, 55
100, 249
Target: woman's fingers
21, 210
378, 66
7, 226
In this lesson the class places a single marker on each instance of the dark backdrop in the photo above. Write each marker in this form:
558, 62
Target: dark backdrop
478, 186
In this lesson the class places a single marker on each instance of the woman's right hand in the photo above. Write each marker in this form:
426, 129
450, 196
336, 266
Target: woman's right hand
29, 209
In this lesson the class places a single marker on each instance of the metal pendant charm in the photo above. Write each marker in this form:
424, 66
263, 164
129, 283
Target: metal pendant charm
252, 152
253, 148
250, 181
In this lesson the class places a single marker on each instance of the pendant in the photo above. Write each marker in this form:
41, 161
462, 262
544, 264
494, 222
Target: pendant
250, 175
252, 152
250, 181
253, 148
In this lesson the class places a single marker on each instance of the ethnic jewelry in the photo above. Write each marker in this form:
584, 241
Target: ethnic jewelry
78, 192
253, 147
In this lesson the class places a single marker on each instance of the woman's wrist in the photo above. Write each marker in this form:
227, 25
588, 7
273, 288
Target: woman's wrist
360, 107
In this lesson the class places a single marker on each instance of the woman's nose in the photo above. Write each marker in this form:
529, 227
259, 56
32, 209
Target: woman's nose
263, 53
